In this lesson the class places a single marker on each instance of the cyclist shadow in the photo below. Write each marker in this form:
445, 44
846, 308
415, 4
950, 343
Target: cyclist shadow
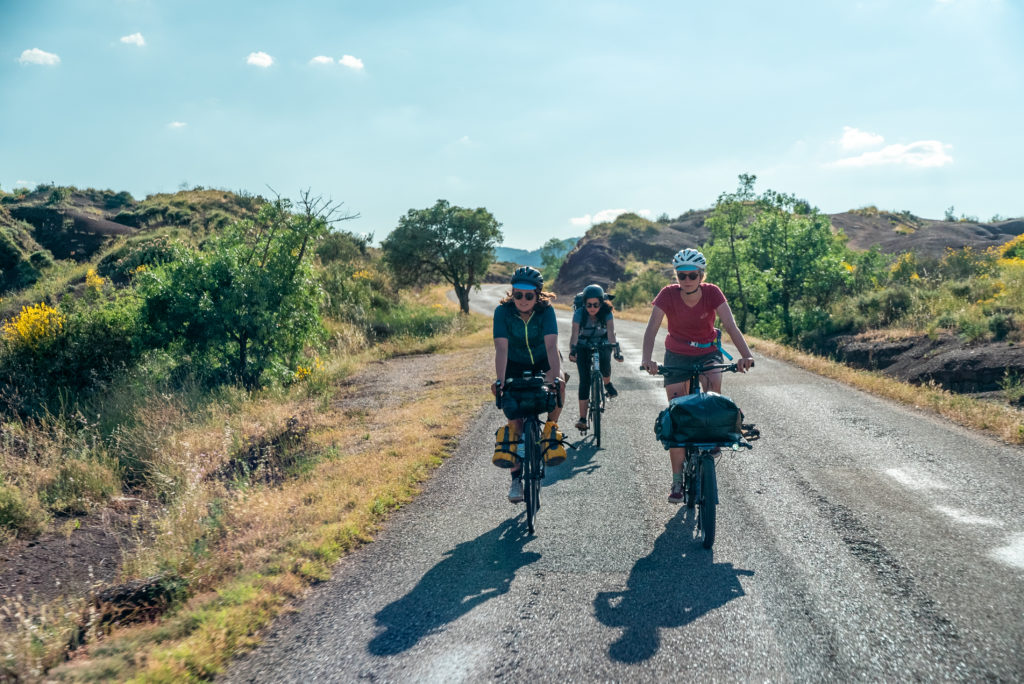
672, 586
580, 460
472, 573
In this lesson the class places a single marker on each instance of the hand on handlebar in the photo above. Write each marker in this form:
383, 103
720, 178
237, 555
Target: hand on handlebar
650, 366
744, 364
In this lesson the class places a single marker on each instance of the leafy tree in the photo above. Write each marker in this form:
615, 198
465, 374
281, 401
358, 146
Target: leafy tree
800, 261
552, 256
728, 225
447, 242
248, 300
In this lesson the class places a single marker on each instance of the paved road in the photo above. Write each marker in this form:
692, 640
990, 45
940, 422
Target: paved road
860, 540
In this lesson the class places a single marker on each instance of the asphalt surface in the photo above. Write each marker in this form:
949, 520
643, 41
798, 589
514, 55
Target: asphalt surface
859, 540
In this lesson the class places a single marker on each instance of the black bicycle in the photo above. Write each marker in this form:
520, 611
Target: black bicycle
700, 483
596, 404
526, 398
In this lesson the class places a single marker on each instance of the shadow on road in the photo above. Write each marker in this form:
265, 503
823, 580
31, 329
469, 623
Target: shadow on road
670, 587
580, 460
473, 572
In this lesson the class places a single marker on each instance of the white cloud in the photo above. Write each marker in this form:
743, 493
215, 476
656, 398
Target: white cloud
854, 139
23, 184
606, 215
320, 59
37, 56
177, 124
134, 39
260, 59
923, 153
464, 140
351, 62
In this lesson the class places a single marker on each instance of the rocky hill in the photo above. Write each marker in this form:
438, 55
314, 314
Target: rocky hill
66, 223
602, 254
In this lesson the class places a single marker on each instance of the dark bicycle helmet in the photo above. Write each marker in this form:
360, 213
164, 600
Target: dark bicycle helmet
593, 291
527, 278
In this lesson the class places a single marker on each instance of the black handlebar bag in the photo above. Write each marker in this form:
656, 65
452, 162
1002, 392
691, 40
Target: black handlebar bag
703, 418
524, 397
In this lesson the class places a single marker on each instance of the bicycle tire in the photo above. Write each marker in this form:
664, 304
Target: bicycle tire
595, 404
689, 477
708, 499
531, 476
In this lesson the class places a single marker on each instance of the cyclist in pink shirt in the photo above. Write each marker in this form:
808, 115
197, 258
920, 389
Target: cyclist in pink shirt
691, 306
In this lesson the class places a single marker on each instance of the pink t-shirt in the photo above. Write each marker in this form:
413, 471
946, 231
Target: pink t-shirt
689, 324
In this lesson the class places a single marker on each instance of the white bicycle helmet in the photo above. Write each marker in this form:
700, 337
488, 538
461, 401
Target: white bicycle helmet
689, 260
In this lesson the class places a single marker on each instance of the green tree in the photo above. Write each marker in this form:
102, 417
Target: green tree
793, 250
552, 256
248, 300
728, 225
447, 242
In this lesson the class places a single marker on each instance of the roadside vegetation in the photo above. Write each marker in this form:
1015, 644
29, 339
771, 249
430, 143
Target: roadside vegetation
790, 278
192, 371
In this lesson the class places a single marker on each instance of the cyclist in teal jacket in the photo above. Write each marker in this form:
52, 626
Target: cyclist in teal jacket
526, 339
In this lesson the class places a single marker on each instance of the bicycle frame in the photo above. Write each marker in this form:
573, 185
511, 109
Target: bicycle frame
531, 459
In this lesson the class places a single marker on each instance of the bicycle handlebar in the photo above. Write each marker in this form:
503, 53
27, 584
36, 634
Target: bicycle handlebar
731, 367
554, 386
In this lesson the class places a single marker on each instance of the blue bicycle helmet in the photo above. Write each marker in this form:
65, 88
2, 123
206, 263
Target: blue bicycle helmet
527, 278
593, 291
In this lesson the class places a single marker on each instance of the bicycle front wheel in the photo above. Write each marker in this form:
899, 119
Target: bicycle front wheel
708, 499
531, 476
690, 477
595, 408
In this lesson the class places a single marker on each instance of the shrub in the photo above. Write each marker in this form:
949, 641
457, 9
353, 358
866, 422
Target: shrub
409, 320
19, 516
640, 290
78, 486
121, 263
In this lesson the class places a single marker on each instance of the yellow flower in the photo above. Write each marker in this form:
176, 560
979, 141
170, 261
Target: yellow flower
364, 274
849, 267
93, 281
301, 373
34, 325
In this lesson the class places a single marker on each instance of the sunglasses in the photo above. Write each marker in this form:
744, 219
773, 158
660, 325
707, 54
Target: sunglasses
528, 296
594, 306
688, 275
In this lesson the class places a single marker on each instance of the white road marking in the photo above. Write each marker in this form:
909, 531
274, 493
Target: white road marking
1012, 553
967, 518
915, 480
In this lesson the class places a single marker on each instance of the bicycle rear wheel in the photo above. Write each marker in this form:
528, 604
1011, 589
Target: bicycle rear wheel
531, 475
708, 499
595, 408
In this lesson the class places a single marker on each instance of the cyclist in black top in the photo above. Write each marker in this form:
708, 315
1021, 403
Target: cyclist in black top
592, 324
526, 339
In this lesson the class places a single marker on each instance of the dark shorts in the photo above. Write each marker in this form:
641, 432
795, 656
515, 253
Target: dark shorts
516, 370
685, 364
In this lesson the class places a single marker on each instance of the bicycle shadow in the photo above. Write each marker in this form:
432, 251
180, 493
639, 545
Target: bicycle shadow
472, 573
580, 460
672, 586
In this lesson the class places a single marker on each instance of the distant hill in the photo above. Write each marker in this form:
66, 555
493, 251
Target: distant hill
521, 257
601, 255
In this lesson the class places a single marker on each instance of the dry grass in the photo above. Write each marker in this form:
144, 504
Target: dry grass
247, 550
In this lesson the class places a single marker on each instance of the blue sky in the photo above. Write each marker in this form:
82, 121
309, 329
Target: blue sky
551, 114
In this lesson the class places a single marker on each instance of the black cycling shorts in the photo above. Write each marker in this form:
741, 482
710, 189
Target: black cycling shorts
685, 364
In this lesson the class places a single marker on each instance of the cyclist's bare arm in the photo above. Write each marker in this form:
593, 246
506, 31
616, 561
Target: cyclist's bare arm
610, 325
653, 325
729, 325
